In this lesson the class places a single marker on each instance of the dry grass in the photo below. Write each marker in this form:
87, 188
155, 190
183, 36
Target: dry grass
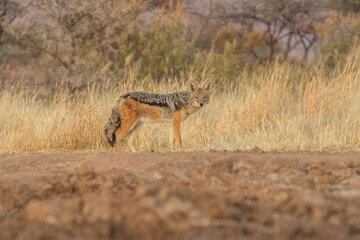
267, 109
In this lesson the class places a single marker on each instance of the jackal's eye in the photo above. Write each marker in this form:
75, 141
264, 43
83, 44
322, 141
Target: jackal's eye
205, 98
196, 98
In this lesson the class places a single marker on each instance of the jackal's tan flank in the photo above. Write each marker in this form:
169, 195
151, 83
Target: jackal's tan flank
135, 108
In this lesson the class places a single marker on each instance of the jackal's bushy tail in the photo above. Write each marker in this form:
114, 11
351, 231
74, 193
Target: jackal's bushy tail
112, 126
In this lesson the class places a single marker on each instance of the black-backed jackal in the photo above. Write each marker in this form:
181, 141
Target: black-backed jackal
135, 108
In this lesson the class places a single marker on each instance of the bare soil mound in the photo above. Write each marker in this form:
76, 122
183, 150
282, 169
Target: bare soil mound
252, 195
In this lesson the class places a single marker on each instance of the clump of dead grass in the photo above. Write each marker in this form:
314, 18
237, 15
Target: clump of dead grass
279, 107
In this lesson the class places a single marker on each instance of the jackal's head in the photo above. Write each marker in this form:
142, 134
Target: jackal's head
199, 96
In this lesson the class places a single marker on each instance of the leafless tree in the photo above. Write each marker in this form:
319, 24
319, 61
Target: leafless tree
65, 29
290, 23
285, 23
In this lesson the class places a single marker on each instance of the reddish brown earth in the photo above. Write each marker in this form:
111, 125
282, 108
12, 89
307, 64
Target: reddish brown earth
245, 195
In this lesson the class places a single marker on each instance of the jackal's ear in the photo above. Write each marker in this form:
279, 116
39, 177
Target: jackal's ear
192, 86
207, 86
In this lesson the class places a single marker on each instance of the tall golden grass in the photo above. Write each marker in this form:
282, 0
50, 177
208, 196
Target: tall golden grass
279, 107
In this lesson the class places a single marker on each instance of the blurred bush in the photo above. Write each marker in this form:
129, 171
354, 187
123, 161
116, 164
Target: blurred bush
63, 43
340, 34
162, 48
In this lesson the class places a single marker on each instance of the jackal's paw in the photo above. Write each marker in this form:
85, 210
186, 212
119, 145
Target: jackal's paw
175, 150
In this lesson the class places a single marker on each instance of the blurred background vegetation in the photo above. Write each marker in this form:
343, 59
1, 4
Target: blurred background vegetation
50, 44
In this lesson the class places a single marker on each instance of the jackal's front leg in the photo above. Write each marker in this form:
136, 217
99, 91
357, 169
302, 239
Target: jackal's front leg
172, 139
176, 128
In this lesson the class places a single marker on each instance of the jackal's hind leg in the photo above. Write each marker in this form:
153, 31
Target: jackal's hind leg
131, 135
126, 128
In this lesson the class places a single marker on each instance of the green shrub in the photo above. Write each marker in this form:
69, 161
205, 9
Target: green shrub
222, 67
162, 47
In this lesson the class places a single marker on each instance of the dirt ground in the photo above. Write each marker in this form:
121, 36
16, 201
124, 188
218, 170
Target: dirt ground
243, 195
